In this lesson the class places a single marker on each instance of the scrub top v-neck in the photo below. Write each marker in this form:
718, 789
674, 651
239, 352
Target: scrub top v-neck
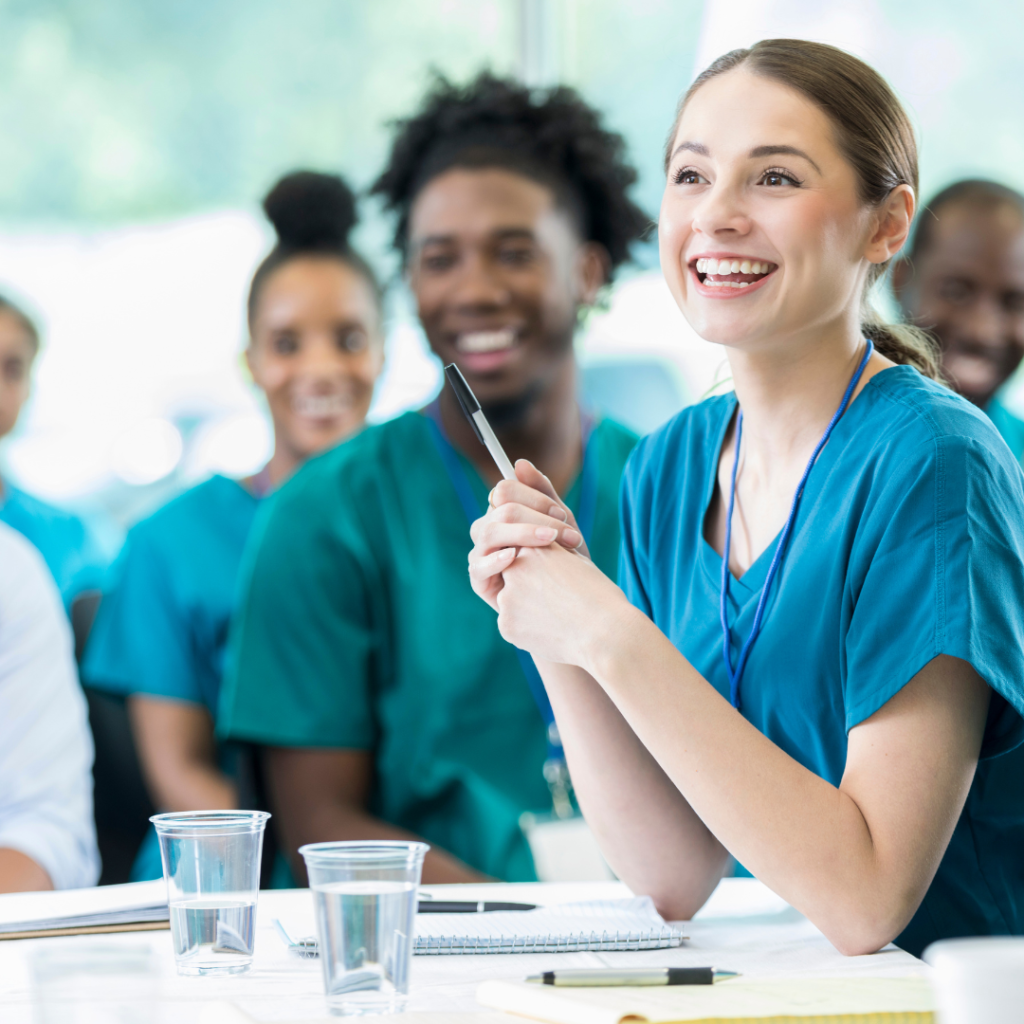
360, 630
908, 543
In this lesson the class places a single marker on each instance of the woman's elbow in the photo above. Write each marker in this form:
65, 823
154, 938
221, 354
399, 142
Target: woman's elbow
862, 931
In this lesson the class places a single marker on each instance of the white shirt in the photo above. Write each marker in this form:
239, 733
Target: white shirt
45, 744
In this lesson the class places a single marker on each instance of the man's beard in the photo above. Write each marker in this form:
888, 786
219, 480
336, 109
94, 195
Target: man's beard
510, 413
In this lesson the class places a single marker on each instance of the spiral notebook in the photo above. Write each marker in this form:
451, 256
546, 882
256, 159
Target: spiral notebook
562, 928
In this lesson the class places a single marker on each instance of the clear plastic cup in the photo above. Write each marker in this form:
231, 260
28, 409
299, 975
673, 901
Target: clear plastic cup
211, 865
364, 895
978, 980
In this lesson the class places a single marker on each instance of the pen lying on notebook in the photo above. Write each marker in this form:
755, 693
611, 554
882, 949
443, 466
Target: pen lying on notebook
307, 947
471, 407
631, 976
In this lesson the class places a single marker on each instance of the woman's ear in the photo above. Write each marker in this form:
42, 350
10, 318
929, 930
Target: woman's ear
593, 265
892, 225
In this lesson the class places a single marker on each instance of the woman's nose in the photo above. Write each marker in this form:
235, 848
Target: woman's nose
721, 211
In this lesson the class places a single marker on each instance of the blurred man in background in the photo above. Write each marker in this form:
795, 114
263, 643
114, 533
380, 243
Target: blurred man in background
963, 279
71, 552
47, 839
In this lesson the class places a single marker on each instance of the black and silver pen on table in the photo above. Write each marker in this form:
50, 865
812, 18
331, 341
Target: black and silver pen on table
631, 976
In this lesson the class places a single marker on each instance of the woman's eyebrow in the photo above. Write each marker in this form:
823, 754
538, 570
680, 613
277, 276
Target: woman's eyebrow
760, 151
692, 147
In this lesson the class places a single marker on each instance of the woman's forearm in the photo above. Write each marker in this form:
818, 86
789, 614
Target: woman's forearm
808, 840
649, 834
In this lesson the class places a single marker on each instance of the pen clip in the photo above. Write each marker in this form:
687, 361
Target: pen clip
467, 400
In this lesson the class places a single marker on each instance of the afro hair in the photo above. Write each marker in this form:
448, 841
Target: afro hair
551, 136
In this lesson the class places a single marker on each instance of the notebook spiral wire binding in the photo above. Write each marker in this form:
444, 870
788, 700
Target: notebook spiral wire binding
661, 938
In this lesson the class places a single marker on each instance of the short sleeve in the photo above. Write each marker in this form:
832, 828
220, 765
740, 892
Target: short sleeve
938, 568
141, 641
304, 642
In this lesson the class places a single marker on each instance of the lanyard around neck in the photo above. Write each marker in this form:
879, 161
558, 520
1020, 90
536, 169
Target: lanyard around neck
734, 675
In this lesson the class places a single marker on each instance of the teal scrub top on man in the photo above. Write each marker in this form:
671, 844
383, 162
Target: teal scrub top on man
162, 626
1011, 427
70, 548
908, 544
359, 630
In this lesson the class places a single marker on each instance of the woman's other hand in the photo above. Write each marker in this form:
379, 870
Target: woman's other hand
533, 568
524, 513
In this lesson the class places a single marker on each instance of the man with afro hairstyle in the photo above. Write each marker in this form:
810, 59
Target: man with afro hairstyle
387, 701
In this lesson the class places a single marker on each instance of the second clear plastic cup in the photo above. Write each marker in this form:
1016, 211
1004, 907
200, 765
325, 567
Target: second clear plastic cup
211, 865
364, 895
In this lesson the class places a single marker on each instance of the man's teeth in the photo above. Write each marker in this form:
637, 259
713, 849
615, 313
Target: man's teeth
320, 406
716, 267
486, 341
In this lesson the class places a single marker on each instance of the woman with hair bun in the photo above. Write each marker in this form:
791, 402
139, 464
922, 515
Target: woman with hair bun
814, 662
315, 351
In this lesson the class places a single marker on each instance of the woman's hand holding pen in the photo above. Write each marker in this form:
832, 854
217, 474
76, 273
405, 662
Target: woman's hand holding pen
526, 564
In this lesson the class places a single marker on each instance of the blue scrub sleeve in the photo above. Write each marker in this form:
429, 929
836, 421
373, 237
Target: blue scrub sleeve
938, 568
304, 647
141, 640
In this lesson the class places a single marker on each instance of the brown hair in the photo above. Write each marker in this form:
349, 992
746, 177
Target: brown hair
873, 133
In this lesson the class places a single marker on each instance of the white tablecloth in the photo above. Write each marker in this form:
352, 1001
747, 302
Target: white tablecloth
744, 927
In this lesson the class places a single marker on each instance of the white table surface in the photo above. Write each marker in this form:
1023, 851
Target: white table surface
744, 927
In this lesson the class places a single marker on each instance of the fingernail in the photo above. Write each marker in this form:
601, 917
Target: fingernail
545, 534
557, 512
500, 556
571, 537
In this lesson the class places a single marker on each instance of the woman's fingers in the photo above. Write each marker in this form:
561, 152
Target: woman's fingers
514, 492
528, 530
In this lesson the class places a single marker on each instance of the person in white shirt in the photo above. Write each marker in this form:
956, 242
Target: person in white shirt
47, 835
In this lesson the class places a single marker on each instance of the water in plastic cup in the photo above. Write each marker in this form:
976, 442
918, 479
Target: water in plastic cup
211, 865
364, 895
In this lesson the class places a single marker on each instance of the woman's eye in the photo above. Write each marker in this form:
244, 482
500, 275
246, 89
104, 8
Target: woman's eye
352, 341
286, 344
779, 179
688, 176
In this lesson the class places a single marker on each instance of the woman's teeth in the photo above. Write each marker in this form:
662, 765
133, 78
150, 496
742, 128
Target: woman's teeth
728, 267
486, 341
320, 406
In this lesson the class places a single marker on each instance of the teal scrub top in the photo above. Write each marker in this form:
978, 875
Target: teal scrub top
908, 544
162, 626
359, 630
69, 546
1011, 427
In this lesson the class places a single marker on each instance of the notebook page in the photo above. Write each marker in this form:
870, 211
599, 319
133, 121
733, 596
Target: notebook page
607, 925
867, 1000
21, 911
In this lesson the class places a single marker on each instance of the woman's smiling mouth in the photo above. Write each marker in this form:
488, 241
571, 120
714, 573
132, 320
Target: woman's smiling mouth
730, 276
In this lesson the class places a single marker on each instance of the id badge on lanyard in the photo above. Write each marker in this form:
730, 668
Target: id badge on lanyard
563, 847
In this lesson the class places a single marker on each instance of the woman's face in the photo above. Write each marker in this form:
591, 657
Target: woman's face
16, 355
316, 351
762, 233
498, 271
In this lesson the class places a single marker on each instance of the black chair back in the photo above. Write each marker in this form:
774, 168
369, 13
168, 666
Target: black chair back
121, 804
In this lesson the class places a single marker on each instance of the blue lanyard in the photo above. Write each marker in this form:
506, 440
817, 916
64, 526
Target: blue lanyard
735, 675
554, 766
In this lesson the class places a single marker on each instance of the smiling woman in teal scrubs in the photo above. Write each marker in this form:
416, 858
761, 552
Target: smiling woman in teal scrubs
160, 637
814, 662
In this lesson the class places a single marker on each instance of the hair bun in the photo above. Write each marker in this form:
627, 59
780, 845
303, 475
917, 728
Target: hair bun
310, 210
